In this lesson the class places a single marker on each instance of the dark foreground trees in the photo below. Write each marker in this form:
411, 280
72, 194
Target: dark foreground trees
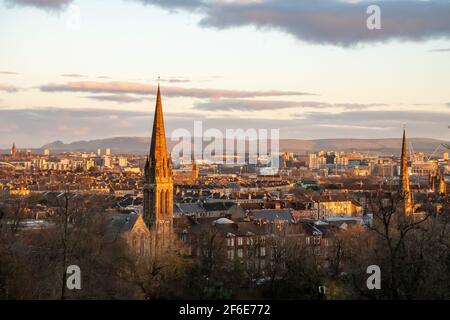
413, 254
34, 260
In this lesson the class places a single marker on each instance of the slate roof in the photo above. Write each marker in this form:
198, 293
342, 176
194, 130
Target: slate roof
189, 208
273, 214
123, 222
217, 206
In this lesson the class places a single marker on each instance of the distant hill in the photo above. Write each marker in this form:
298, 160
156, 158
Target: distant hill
138, 145
141, 145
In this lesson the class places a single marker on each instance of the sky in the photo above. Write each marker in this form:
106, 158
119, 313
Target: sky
78, 70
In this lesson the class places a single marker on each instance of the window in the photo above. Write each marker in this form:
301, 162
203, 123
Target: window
230, 242
263, 252
161, 203
231, 254
240, 241
240, 253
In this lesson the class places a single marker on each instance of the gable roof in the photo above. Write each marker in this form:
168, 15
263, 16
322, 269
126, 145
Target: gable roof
123, 223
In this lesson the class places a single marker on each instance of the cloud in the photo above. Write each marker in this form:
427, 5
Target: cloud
68, 124
71, 124
140, 88
243, 105
334, 22
345, 105
440, 50
176, 80
259, 105
73, 75
348, 126
174, 5
370, 124
378, 118
337, 22
8, 88
40, 4
120, 98
9, 72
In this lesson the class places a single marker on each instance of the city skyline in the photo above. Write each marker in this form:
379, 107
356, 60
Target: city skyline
309, 81
225, 155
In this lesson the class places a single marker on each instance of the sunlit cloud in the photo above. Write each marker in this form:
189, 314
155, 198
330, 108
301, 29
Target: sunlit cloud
243, 105
218, 105
119, 98
140, 88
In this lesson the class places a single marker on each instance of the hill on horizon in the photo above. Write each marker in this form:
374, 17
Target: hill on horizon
141, 145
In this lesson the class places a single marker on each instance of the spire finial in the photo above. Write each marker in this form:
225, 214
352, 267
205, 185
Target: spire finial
158, 91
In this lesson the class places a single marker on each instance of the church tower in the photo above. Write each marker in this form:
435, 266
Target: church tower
194, 171
404, 187
158, 184
13, 151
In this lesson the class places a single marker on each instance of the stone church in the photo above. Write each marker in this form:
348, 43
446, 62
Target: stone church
158, 180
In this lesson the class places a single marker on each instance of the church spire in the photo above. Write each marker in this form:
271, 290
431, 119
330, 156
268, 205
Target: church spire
158, 184
404, 187
158, 148
404, 178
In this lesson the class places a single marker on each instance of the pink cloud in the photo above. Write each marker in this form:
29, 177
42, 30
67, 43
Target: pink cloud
141, 88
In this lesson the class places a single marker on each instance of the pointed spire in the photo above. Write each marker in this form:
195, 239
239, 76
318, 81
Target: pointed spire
158, 143
159, 161
404, 182
404, 188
